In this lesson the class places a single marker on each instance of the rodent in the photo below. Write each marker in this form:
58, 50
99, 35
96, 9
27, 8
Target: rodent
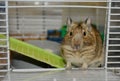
82, 45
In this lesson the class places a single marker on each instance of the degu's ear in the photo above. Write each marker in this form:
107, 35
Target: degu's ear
69, 21
88, 23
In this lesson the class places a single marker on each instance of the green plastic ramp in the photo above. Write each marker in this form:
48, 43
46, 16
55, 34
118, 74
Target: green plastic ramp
35, 52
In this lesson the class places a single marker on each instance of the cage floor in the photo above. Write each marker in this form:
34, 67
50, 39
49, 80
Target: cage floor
72, 75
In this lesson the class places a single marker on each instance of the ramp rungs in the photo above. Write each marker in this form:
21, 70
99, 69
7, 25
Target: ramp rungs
36, 53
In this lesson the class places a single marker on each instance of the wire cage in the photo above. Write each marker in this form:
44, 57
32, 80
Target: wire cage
29, 21
30, 33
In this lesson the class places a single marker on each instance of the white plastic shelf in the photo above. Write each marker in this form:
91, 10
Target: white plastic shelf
63, 75
65, 0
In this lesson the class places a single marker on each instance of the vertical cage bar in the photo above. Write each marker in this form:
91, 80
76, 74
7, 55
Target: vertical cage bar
7, 34
108, 27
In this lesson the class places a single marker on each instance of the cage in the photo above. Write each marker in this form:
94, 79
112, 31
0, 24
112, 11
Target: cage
31, 35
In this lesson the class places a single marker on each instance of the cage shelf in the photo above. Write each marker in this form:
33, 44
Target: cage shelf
65, 0
59, 6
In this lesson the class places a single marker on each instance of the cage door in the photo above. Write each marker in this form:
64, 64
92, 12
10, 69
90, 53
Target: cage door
113, 36
4, 43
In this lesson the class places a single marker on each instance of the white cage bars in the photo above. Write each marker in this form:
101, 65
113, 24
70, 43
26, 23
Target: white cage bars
4, 42
113, 33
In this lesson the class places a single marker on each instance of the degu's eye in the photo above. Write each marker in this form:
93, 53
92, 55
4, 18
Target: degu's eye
71, 33
84, 33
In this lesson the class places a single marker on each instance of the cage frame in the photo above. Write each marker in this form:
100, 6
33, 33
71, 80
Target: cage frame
108, 23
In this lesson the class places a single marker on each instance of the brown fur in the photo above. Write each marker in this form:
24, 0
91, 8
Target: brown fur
82, 45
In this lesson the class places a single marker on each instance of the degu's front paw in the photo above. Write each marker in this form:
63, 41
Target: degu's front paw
68, 67
84, 66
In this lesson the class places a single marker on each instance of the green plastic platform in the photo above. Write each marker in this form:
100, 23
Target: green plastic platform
35, 52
